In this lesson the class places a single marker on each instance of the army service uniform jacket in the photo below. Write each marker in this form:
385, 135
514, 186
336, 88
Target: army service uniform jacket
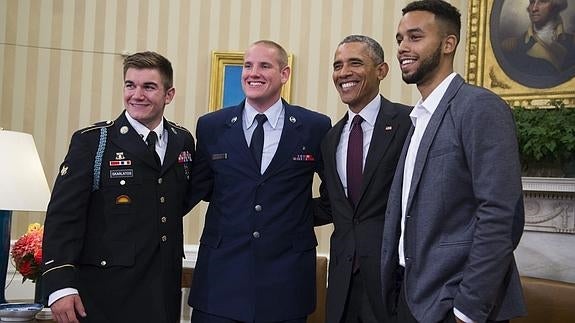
115, 233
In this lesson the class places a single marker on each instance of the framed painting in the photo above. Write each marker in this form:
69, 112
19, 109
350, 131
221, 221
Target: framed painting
225, 80
505, 55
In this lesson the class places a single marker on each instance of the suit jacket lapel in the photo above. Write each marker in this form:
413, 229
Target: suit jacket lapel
385, 129
131, 141
430, 132
330, 158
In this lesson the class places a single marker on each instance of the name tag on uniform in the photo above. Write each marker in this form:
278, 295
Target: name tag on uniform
121, 173
304, 157
219, 156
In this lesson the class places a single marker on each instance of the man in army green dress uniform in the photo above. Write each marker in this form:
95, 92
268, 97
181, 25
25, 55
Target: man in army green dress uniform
113, 240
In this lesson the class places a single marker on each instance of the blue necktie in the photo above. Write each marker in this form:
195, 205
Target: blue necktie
257, 141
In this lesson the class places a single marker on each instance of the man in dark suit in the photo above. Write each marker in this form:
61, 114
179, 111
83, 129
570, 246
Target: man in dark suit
455, 209
255, 165
357, 198
113, 240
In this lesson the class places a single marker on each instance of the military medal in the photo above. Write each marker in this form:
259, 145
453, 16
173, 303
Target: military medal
120, 162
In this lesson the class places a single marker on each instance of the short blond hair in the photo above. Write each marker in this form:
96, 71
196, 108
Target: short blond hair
282, 54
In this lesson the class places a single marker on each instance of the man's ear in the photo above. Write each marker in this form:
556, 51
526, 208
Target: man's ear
449, 44
285, 73
169, 95
382, 70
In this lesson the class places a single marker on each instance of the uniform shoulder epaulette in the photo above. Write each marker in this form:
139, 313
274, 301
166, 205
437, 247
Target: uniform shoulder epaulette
98, 125
175, 125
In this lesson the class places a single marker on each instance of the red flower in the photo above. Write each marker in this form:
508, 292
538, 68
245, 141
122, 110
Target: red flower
25, 268
38, 256
27, 253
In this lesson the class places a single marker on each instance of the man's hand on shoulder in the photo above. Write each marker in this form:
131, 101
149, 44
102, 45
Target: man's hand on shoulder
64, 310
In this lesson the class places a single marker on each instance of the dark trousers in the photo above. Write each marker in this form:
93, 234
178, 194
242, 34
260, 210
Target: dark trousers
404, 314
358, 308
203, 317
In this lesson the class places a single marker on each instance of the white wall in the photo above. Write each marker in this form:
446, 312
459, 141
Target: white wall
547, 255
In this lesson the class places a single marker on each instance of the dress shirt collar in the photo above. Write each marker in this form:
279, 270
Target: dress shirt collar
432, 101
143, 131
272, 113
368, 113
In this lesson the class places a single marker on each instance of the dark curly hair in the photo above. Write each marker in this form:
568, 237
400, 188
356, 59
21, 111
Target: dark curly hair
447, 14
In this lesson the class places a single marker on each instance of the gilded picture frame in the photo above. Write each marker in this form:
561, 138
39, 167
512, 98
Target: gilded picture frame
225, 80
492, 24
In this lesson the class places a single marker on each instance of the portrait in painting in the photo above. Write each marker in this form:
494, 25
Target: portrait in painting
534, 40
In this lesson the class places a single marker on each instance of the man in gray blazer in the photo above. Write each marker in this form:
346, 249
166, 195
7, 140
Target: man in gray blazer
455, 210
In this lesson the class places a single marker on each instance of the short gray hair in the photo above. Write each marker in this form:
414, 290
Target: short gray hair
374, 48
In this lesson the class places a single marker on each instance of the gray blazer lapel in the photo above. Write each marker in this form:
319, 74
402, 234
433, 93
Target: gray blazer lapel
397, 184
430, 132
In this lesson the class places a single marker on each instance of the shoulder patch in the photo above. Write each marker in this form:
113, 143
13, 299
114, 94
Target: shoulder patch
175, 125
98, 125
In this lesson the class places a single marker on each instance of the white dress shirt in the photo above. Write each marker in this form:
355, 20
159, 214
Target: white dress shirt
272, 129
369, 115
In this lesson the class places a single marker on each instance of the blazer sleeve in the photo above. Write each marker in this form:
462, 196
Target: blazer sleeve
490, 147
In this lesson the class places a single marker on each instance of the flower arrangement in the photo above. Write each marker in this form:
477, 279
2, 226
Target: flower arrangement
27, 253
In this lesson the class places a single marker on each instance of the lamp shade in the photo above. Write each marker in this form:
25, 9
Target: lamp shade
24, 186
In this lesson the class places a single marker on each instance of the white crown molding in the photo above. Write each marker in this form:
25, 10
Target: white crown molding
548, 184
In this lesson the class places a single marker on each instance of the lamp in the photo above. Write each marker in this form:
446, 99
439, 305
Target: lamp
24, 188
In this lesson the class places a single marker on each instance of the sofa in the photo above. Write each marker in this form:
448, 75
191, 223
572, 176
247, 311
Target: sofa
548, 301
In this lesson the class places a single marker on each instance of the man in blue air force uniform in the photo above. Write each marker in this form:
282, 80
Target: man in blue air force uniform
255, 165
